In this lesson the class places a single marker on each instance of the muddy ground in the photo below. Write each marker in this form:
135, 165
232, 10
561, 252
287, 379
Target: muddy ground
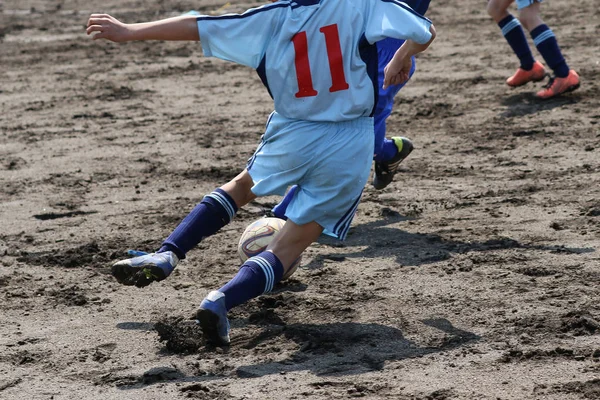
475, 275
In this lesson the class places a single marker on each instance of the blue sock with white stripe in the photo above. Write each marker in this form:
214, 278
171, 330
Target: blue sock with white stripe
256, 276
546, 43
514, 35
214, 212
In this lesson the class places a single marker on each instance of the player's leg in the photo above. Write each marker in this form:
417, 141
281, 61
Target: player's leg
257, 276
214, 211
293, 239
328, 193
383, 109
529, 70
389, 153
565, 79
335, 203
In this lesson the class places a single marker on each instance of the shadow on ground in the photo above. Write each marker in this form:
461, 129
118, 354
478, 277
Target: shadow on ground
412, 249
347, 348
350, 348
522, 104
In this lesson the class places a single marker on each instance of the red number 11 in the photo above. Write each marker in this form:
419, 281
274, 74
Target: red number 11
334, 55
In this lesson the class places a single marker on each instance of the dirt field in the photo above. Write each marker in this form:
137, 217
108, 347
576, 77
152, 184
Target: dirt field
475, 275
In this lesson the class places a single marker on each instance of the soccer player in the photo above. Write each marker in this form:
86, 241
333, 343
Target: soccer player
313, 56
389, 153
564, 79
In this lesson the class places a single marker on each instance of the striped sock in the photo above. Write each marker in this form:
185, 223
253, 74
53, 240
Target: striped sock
514, 35
256, 276
546, 43
214, 212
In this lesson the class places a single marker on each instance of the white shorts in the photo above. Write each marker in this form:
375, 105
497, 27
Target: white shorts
329, 161
525, 3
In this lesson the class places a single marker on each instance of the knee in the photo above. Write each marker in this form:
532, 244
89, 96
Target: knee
292, 240
497, 9
240, 189
529, 17
243, 181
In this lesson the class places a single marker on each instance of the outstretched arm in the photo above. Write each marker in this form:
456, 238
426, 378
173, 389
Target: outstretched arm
104, 26
398, 69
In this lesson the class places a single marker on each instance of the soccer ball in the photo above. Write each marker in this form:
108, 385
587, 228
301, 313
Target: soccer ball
257, 237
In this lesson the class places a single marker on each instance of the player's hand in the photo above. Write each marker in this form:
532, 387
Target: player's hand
103, 26
397, 71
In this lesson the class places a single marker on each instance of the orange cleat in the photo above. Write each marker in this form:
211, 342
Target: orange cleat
558, 86
521, 77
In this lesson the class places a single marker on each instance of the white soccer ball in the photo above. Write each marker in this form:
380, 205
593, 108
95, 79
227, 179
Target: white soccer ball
257, 237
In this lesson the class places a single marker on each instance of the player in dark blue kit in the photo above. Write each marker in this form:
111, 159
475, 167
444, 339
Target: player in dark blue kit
315, 56
389, 153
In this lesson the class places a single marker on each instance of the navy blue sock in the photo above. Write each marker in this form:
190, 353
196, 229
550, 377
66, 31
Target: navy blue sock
514, 35
256, 276
280, 209
214, 212
546, 43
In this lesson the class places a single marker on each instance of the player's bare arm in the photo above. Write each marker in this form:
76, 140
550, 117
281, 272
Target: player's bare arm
104, 26
398, 69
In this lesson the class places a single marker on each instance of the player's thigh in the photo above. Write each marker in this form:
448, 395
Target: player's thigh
529, 15
292, 240
497, 9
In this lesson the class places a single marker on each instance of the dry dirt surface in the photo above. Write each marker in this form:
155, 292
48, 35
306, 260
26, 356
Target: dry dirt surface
475, 275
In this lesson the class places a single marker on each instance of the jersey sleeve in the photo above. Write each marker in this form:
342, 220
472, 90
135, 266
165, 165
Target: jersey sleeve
392, 18
241, 38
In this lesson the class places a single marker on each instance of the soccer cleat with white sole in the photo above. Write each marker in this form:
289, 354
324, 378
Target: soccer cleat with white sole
143, 270
212, 317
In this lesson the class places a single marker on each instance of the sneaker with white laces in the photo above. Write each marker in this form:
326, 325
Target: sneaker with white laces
385, 170
145, 269
212, 317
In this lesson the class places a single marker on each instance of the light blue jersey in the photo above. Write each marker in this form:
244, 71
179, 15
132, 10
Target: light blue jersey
312, 55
